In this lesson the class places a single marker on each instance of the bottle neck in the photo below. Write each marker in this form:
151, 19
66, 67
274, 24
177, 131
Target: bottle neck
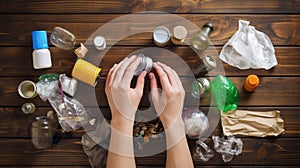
206, 31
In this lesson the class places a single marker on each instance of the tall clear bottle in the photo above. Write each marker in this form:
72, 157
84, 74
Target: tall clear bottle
201, 40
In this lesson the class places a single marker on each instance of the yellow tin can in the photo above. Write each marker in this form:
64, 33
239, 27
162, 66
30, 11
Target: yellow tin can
86, 72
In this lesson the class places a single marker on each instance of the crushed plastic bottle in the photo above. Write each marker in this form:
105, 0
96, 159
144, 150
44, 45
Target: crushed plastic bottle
203, 152
47, 86
225, 94
228, 146
195, 121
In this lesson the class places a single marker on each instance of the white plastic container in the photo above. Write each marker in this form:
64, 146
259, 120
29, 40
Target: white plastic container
41, 55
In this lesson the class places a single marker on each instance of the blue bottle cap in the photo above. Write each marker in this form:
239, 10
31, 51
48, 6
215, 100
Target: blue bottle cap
39, 39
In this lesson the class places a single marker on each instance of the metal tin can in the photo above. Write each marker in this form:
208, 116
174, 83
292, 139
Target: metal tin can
86, 72
161, 36
27, 89
28, 108
145, 65
179, 34
203, 66
200, 88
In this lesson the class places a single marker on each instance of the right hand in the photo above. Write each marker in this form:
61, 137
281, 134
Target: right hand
168, 103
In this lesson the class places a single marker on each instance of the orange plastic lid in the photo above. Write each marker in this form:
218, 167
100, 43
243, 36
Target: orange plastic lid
251, 83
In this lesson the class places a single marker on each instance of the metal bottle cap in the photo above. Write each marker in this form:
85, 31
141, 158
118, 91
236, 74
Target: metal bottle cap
179, 35
100, 43
209, 62
161, 36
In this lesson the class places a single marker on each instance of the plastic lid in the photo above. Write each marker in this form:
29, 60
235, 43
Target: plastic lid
39, 39
253, 80
179, 32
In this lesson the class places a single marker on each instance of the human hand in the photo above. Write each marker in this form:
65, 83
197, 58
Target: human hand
122, 99
168, 103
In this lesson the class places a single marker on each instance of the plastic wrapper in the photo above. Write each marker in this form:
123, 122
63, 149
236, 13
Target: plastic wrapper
47, 86
69, 85
70, 112
225, 93
195, 121
203, 152
228, 147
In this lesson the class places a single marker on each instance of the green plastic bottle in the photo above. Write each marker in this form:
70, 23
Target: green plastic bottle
225, 94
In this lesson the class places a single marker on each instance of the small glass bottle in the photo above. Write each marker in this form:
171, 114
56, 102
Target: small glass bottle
203, 66
200, 88
62, 38
201, 40
41, 133
28, 108
251, 82
41, 55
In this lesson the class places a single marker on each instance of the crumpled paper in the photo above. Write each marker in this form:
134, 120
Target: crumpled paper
252, 123
249, 48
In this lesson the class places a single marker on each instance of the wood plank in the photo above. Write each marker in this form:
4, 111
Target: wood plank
282, 29
63, 61
170, 6
13, 123
279, 151
273, 91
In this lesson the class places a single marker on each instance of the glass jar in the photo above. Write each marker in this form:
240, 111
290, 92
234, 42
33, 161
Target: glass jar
41, 133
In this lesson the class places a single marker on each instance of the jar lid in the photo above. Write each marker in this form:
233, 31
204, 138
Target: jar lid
179, 32
39, 39
161, 34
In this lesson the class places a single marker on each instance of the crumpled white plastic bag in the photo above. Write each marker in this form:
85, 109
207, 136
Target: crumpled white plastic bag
249, 48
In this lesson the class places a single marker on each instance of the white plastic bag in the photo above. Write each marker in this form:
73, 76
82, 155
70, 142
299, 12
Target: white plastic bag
249, 48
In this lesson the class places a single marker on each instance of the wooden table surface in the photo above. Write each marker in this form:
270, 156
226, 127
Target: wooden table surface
279, 88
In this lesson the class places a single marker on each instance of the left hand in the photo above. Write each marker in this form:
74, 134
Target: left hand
122, 99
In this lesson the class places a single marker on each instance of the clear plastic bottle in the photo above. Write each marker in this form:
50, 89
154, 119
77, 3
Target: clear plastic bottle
41, 133
201, 40
41, 55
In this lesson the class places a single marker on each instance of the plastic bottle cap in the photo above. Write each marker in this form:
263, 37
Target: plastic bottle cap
179, 32
253, 80
39, 39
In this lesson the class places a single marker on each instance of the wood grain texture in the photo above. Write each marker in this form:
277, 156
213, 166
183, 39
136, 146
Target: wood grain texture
282, 29
170, 6
256, 152
19, 124
63, 61
273, 91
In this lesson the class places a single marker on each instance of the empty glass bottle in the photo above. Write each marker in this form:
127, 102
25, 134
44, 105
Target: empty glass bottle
62, 38
201, 40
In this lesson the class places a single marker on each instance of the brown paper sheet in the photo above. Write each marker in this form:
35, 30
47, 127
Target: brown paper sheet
252, 123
